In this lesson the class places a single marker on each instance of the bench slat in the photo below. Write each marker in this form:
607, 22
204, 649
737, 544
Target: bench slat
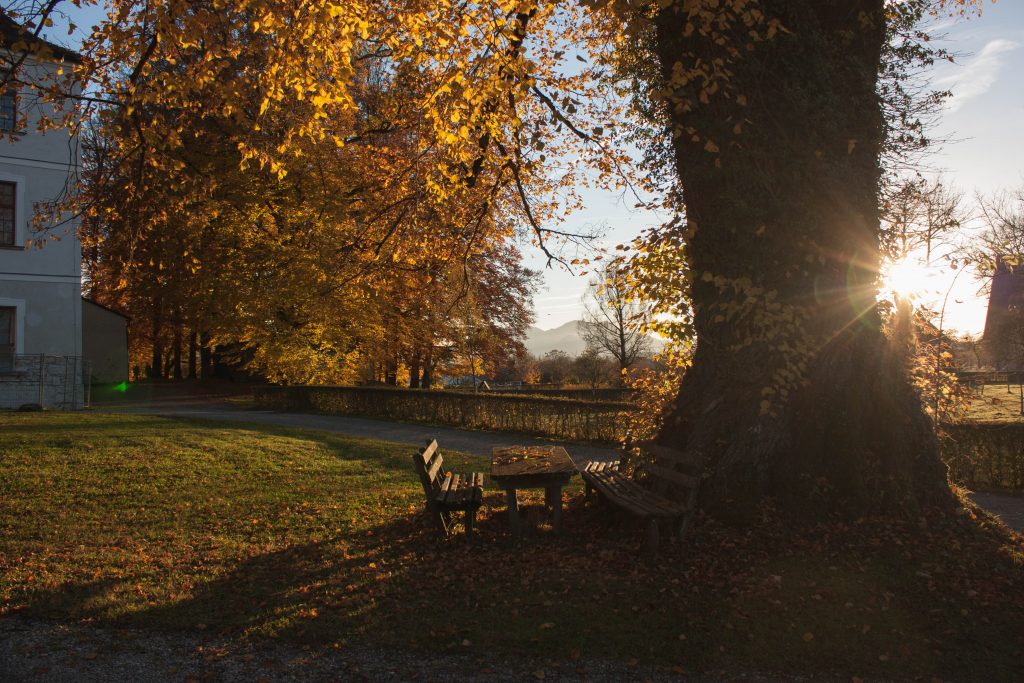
449, 488
428, 450
433, 468
630, 495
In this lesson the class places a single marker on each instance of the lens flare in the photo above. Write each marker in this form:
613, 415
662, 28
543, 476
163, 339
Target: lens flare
906, 278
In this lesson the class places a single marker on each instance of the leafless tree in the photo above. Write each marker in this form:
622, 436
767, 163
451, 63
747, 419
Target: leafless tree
613, 319
1003, 216
921, 213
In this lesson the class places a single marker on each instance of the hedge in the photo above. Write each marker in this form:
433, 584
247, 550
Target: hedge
985, 455
605, 394
553, 417
979, 455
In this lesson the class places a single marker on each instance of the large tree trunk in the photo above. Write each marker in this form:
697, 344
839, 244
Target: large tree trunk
794, 391
205, 357
156, 358
414, 370
193, 347
428, 368
176, 349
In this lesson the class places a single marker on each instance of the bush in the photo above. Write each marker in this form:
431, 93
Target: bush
985, 455
554, 417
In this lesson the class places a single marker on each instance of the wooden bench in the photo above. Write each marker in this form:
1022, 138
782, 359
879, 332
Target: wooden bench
447, 492
647, 498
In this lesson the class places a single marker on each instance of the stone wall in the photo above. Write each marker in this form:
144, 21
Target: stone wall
52, 382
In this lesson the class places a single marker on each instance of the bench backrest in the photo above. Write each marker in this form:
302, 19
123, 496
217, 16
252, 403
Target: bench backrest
672, 470
428, 464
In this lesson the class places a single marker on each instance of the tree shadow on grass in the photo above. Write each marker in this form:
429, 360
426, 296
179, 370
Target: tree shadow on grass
876, 598
348, 585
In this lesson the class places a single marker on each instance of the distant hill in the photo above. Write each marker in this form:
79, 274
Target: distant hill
563, 338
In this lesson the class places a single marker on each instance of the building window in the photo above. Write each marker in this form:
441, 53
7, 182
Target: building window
8, 199
9, 111
8, 317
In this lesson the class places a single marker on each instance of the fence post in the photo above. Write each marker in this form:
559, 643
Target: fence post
87, 387
42, 365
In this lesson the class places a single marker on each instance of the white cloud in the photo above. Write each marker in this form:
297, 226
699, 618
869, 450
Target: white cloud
978, 75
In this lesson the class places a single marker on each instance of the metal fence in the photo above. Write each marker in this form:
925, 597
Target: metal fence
50, 382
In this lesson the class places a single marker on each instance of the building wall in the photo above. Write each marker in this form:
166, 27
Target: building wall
41, 274
104, 344
48, 318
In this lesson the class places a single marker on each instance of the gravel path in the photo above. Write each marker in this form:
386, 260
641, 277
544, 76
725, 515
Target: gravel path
49, 652
473, 442
1010, 508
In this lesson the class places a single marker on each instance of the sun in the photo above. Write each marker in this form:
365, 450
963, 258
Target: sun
906, 278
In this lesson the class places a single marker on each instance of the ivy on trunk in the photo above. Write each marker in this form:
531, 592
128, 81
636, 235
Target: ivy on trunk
794, 390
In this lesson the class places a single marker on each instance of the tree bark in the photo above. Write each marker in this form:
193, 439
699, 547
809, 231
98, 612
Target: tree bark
176, 349
414, 370
156, 360
205, 357
428, 368
794, 391
391, 372
193, 347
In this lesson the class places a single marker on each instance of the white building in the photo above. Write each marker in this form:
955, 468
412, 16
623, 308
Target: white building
40, 271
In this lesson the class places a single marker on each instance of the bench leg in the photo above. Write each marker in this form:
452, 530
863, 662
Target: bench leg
588, 490
439, 523
684, 524
470, 520
650, 549
553, 497
513, 514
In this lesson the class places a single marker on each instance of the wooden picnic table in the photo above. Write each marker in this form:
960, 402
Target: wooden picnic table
532, 467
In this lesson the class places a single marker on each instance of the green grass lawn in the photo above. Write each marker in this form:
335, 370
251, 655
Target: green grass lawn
995, 404
257, 531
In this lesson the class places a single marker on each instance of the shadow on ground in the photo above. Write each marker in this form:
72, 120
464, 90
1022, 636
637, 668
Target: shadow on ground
868, 599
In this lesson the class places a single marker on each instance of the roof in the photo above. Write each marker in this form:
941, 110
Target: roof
105, 308
12, 32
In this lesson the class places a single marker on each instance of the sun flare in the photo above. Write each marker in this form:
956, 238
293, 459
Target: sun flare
906, 278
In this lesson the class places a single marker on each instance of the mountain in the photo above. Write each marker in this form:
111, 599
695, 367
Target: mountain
564, 338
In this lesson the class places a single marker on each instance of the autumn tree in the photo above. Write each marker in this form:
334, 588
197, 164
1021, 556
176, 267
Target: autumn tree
308, 265
615, 320
774, 122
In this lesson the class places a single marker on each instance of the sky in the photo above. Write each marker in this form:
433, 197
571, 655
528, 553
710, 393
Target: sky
983, 122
